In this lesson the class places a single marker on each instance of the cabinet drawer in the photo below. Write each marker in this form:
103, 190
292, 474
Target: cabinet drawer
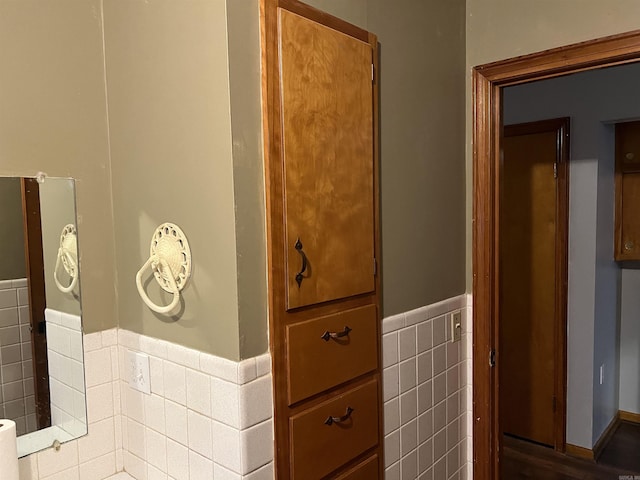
316, 363
319, 446
367, 470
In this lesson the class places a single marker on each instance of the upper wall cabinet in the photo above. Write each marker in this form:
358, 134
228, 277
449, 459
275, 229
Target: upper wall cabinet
323, 237
627, 241
326, 113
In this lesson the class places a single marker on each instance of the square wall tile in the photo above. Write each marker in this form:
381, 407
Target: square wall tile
156, 449
391, 415
175, 386
8, 298
99, 442
425, 426
177, 460
256, 402
199, 433
225, 407
407, 375
439, 359
99, 402
408, 406
256, 446
409, 466
226, 446
136, 439
200, 468
389, 349
198, 387
154, 413
176, 422
393, 472
425, 456
409, 437
98, 468
98, 367
425, 397
390, 382
425, 367
391, 448
439, 330
407, 343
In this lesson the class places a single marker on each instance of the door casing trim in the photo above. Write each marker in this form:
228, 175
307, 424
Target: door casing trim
488, 80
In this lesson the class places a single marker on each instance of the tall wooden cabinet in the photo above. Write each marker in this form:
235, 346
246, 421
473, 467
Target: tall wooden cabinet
627, 226
321, 133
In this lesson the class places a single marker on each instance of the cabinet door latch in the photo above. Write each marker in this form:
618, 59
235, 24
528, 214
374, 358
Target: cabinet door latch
492, 358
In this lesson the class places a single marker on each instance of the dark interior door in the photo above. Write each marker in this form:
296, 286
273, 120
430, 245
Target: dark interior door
531, 231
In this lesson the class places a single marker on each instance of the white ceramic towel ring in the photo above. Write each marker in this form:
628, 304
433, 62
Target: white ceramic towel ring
68, 257
170, 262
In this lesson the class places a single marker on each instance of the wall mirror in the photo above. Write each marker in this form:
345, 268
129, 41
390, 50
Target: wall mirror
42, 384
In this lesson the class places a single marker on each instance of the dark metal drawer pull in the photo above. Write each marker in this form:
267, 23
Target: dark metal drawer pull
299, 276
327, 335
331, 420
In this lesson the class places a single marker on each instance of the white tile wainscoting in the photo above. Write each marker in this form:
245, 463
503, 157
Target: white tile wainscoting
427, 393
66, 375
17, 399
208, 417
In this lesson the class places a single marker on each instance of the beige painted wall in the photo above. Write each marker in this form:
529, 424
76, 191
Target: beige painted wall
170, 125
501, 29
54, 119
11, 235
57, 210
422, 115
243, 22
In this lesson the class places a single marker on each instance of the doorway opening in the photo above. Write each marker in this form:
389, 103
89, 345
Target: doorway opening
489, 82
533, 281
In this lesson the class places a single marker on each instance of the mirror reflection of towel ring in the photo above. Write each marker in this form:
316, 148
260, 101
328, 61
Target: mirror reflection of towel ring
170, 262
68, 257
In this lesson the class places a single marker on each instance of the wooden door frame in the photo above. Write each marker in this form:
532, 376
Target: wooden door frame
561, 127
488, 81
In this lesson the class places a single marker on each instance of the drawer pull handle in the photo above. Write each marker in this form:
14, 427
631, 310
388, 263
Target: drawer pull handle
327, 335
299, 275
331, 420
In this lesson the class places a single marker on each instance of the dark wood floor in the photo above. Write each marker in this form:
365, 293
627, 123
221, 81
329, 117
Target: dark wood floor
621, 457
623, 450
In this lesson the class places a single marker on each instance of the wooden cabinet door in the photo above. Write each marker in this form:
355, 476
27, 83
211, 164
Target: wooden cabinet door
627, 242
327, 123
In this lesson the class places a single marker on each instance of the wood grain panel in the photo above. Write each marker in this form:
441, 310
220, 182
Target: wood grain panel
367, 470
280, 316
316, 364
629, 245
628, 146
317, 449
326, 108
627, 230
528, 227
